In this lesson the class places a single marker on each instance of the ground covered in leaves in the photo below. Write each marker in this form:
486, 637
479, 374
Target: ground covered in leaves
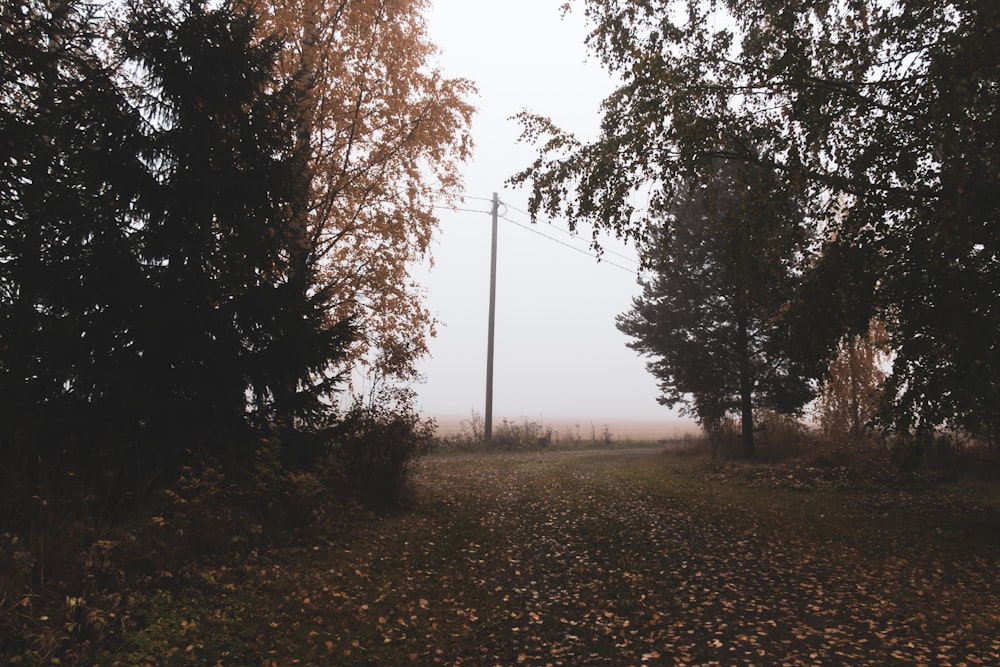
608, 558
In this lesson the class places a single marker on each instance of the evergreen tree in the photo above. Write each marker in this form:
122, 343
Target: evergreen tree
722, 276
234, 311
158, 289
69, 174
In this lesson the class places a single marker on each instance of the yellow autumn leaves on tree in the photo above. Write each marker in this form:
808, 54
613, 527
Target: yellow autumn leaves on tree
386, 132
851, 395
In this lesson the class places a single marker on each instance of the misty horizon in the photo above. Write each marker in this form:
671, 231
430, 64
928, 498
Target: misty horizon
582, 428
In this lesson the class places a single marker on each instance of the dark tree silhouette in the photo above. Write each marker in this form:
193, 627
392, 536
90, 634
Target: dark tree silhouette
885, 110
711, 314
159, 292
226, 254
70, 177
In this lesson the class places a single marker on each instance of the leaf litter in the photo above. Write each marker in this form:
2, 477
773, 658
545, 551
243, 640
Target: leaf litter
606, 559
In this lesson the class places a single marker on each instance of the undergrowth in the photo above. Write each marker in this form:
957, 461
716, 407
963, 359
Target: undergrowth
529, 434
262, 562
70, 583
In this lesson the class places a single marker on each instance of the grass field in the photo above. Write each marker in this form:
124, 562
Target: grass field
624, 557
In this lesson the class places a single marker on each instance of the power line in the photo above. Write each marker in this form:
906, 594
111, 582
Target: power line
533, 230
464, 196
577, 236
572, 247
495, 214
467, 210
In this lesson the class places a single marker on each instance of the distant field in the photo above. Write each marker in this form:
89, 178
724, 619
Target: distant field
587, 428
622, 557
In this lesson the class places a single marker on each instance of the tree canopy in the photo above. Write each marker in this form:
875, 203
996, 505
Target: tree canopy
385, 133
207, 221
722, 275
238, 312
884, 110
849, 399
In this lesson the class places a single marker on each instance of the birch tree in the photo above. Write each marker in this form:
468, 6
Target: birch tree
889, 105
386, 133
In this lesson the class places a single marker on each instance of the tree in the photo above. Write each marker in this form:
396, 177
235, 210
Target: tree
240, 310
723, 275
385, 133
154, 292
888, 105
850, 397
69, 176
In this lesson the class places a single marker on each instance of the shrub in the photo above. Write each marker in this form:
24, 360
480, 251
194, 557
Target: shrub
780, 436
375, 446
529, 434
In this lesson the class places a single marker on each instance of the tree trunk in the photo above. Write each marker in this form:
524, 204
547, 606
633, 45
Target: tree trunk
746, 391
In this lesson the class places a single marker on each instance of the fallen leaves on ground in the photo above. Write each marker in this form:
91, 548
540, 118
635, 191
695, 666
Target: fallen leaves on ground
606, 559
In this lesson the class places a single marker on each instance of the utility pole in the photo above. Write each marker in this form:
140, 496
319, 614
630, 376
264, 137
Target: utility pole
493, 306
